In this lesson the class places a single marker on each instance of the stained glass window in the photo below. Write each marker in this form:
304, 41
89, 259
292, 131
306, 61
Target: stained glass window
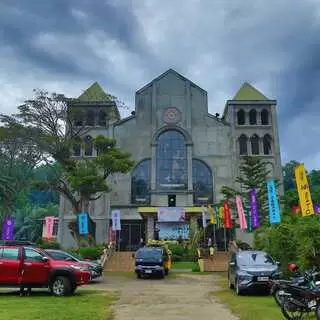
202, 182
172, 171
140, 183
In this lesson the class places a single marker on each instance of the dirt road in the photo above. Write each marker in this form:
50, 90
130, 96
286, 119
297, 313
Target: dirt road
181, 297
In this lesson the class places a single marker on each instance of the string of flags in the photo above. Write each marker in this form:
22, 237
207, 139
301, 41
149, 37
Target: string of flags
248, 217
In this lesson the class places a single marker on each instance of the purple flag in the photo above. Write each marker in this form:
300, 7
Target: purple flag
8, 229
254, 209
317, 208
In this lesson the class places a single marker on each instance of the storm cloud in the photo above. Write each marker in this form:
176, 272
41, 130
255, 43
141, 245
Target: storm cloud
65, 45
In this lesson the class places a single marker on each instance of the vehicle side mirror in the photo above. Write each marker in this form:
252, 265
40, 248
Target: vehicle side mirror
45, 259
231, 264
69, 259
278, 263
133, 255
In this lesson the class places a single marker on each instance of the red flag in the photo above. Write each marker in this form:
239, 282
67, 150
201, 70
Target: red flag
227, 216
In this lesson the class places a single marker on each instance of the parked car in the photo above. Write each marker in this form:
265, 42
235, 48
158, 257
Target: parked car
31, 267
151, 261
252, 270
94, 267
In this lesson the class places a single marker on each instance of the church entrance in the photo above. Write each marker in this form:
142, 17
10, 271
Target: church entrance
131, 233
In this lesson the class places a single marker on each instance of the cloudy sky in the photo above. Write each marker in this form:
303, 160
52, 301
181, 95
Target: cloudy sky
65, 45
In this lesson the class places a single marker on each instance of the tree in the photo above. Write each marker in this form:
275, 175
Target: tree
18, 158
48, 121
253, 174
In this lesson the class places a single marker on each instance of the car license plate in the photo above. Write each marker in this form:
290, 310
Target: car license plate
148, 271
263, 278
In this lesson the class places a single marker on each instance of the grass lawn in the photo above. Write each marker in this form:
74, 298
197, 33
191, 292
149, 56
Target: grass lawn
184, 265
248, 307
84, 305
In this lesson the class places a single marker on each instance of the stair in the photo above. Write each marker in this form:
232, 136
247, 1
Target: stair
219, 262
120, 262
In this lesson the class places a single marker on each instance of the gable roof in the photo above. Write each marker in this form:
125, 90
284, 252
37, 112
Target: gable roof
247, 92
94, 94
169, 71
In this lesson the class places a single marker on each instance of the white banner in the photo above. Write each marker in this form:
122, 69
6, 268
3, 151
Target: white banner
116, 222
171, 214
173, 230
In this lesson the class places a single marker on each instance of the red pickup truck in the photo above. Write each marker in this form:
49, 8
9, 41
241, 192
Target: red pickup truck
30, 267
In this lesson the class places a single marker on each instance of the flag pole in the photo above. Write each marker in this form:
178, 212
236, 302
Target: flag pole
225, 238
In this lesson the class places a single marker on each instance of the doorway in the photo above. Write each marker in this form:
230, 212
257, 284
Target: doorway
131, 233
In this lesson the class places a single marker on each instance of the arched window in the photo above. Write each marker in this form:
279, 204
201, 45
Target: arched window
140, 183
88, 146
90, 118
252, 116
255, 144
202, 182
267, 145
264, 117
78, 118
172, 171
102, 117
243, 145
77, 147
241, 117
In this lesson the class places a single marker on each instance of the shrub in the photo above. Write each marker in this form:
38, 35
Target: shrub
181, 253
196, 268
49, 245
91, 253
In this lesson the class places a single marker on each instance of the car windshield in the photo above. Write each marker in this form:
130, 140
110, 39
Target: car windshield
149, 254
254, 259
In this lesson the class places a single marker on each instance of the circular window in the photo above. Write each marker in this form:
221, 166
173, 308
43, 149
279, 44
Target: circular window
172, 115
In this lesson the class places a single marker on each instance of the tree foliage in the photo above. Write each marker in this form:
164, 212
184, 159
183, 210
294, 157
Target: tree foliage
47, 122
253, 174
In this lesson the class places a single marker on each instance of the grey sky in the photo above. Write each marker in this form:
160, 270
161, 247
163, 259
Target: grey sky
65, 45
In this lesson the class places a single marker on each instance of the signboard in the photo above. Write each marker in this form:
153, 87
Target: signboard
83, 223
173, 230
116, 221
171, 214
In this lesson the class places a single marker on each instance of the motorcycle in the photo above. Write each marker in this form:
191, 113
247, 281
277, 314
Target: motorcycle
297, 298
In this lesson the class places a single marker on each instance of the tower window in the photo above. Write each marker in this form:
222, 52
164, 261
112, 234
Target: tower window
264, 117
102, 117
267, 145
77, 147
253, 117
243, 145
88, 147
241, 117
255, 145
90, 118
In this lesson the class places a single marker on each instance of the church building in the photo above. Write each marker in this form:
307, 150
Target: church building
183, 155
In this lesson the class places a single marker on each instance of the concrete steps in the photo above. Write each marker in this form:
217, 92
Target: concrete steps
219, 262
120, 262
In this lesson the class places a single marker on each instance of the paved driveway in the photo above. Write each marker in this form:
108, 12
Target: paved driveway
180, 297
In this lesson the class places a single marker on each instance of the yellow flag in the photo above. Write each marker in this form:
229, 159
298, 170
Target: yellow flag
305, 200
213, 219
221, 213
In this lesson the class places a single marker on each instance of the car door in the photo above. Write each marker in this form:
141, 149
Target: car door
34, 269
10, 264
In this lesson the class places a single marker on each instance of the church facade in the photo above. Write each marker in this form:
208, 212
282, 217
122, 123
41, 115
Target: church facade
183, 154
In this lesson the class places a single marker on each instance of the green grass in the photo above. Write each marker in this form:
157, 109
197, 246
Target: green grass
183, 265
84, 305
248, 307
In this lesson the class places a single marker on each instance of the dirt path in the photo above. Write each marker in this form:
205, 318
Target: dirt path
176, 298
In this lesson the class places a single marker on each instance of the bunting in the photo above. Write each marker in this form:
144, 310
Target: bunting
254, 209
241, 214
227, 216
274, 208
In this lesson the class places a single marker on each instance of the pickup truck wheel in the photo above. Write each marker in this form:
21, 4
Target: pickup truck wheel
60, 286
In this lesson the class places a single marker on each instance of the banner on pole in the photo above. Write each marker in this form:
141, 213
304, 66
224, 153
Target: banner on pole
274, 208
49, 224
116, 220
213, 219
227, 216
249, 220
254, 209
204, 217
305, 200
241, 214
83, 222
217, 217
8, 229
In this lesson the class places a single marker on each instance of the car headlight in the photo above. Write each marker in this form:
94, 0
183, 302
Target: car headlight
244, 275
79, 268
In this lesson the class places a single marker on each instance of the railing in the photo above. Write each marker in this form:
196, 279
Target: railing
107, 253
